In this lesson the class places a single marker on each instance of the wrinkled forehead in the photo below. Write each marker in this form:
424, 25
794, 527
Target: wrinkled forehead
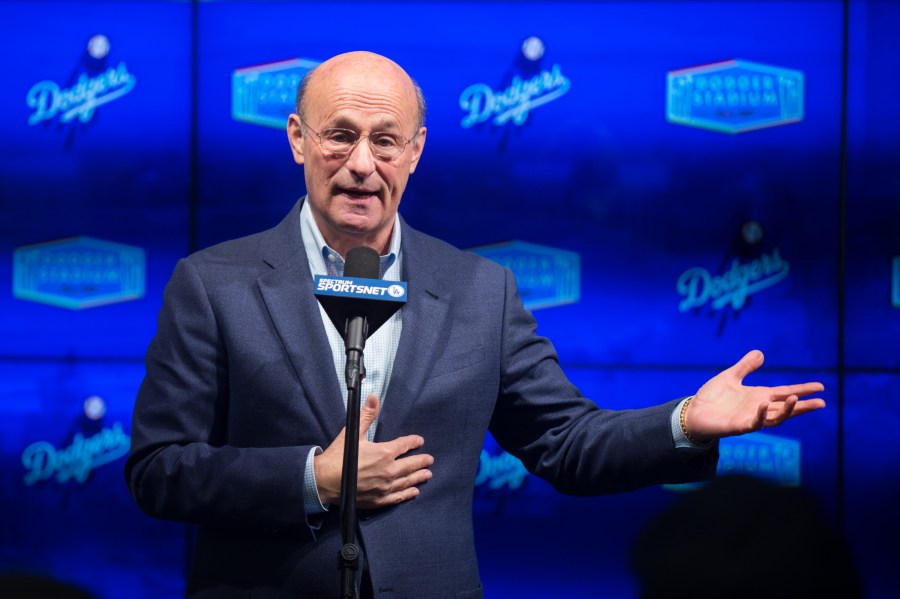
365, 86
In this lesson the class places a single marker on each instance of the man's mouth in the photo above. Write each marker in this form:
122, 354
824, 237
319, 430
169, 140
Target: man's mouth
357, 194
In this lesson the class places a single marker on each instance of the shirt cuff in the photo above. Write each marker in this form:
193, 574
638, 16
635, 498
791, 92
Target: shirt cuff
678, 436
312, 503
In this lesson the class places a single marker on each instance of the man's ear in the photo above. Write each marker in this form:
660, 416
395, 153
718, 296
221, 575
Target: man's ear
417, 146
295, 137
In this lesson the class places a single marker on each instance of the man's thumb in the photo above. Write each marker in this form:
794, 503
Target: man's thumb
368, 414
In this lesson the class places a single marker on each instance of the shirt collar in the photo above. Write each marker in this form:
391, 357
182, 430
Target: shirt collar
323, 260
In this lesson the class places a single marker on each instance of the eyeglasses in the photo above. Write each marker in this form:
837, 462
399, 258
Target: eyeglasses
340, 142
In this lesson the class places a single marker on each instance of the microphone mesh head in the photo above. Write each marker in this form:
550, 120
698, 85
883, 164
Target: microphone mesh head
363, 263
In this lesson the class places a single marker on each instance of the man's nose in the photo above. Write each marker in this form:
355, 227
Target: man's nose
361, 161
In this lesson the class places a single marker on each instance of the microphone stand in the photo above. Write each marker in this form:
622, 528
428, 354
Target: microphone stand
354, 373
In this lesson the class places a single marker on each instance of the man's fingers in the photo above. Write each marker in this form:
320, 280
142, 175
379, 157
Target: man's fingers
404, 488
397, 497
808, 405
407, 471
398, 478
414, 464
799, 407
783, 411
799, 390
402, 445
413, 479
761, 411
750, 362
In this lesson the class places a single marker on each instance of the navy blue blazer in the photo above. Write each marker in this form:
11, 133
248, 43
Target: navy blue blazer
240, 385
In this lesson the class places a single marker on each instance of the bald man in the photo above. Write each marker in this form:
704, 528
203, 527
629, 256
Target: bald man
238, 425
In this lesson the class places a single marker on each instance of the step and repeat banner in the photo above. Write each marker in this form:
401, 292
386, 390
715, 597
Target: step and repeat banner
672, 183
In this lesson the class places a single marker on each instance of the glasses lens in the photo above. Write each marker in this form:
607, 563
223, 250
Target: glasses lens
386, 145
342, 141
338, 140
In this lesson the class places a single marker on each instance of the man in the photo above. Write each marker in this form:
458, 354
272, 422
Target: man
238, 424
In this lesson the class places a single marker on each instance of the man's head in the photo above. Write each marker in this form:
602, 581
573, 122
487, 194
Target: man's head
354, 193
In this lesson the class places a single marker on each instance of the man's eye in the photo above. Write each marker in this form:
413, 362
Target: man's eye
385, 141
340, 137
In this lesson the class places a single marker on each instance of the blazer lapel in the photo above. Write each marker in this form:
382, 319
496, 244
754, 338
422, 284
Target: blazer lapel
287, 291
424, 317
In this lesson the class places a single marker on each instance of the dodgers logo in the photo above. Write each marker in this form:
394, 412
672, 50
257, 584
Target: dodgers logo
734, 96
750, 271
513, 104
42, 460
91, 446
48, 99
734, 286
503, 470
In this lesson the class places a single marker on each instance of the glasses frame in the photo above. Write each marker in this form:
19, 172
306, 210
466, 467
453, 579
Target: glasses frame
359, 137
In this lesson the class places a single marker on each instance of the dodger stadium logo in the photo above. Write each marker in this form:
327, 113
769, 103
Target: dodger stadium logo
78, 273
734, 96
546, 276
265, 94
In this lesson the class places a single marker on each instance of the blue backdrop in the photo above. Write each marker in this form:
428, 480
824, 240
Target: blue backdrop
673, 184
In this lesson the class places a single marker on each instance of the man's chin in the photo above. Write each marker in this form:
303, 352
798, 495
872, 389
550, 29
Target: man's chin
359, 224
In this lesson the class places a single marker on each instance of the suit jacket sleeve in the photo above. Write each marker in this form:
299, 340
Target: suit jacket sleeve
180, 466
542, 419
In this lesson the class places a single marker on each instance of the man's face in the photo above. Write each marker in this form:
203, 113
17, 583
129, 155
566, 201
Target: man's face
354, 197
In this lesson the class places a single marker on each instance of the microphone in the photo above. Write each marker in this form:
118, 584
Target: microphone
358, 304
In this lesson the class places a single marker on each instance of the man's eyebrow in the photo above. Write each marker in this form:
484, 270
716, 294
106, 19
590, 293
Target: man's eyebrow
382, 125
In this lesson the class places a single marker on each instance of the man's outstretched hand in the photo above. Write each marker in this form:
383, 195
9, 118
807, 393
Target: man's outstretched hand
724, 406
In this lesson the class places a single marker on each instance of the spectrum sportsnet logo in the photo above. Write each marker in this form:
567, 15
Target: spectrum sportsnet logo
78, 273
360, 287
734, 96
515, 103
100, 86
266, 94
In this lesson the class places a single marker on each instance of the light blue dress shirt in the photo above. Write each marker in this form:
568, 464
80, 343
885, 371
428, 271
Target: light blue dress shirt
381, 346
